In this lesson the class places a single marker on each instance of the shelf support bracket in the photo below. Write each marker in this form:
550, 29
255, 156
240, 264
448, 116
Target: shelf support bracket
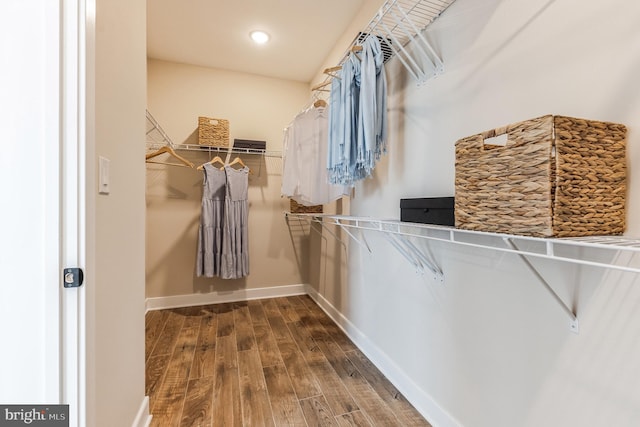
360, 241
415, 256
573, 322
427, 261
333, 234
391, 239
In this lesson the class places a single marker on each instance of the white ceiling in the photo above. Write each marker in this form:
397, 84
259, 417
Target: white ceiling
215, 33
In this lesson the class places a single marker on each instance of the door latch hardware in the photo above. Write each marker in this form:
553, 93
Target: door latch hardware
72, 277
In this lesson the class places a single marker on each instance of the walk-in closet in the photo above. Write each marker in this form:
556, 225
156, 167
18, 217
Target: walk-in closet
348, 315
392, 213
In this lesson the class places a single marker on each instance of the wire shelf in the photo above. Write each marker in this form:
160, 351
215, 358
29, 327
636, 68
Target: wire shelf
157, 138
538, 247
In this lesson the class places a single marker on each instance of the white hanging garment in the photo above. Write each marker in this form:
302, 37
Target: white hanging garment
305, 177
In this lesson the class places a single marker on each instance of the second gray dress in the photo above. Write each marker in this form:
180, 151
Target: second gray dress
235, 232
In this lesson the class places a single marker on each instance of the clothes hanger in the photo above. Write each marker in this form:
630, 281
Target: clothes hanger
321, 86
216, 159
238, 160
320, 103
169, 150
332, 71
355, 50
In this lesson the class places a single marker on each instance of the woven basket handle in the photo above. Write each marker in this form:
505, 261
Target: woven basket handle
496, 137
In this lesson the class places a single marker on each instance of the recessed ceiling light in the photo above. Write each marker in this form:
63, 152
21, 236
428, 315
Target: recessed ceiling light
259, 37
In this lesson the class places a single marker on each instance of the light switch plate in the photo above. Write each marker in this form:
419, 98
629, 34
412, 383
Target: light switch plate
103, 173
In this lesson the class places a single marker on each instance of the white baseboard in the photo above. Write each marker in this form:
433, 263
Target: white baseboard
143, 418
175, 301
424, 403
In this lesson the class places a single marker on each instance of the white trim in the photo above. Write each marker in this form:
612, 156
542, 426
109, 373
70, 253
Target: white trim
87, 155
72, 132
423, 402
53, 238
143, 418
159, 303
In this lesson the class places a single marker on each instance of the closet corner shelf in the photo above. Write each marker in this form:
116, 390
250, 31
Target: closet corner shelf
213, 149
607, 249
157, 138
399, 25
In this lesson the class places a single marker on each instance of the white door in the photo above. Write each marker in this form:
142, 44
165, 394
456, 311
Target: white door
41, 213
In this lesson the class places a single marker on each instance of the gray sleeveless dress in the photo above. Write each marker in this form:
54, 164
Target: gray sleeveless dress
235, 232
209, 255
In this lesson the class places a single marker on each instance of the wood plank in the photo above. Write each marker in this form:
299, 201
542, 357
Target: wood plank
285, 405
171, 393
156, 366
353, 419
369, 402
257, 312
270, 308
267, 346
280, 330
209, 309
181, 359
225, 320
307, 345
197, 410
169, 335
336, 394
309, 303
296, 303
317, 412
338, 398
204, 357
154, 323
244, 328
336, 333
403, 410
192, 316
226, 395
323, 328
333, 343
256, 406
313, 326
302, 310
287, 310
168, 403
302, 379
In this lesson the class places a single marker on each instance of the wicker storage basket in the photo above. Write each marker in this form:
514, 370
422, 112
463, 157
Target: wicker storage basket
296, 207
213, 132
555, 177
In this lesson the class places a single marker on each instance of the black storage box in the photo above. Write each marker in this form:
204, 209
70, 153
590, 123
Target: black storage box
249, 144
430, 210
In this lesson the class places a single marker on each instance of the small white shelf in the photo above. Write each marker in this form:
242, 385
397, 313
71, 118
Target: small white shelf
157, 138
596, 251
211, 149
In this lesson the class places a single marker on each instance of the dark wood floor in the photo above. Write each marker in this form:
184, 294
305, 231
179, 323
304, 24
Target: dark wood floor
273, 362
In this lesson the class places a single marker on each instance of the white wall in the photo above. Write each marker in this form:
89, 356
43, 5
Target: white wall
116, 222
489, 346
